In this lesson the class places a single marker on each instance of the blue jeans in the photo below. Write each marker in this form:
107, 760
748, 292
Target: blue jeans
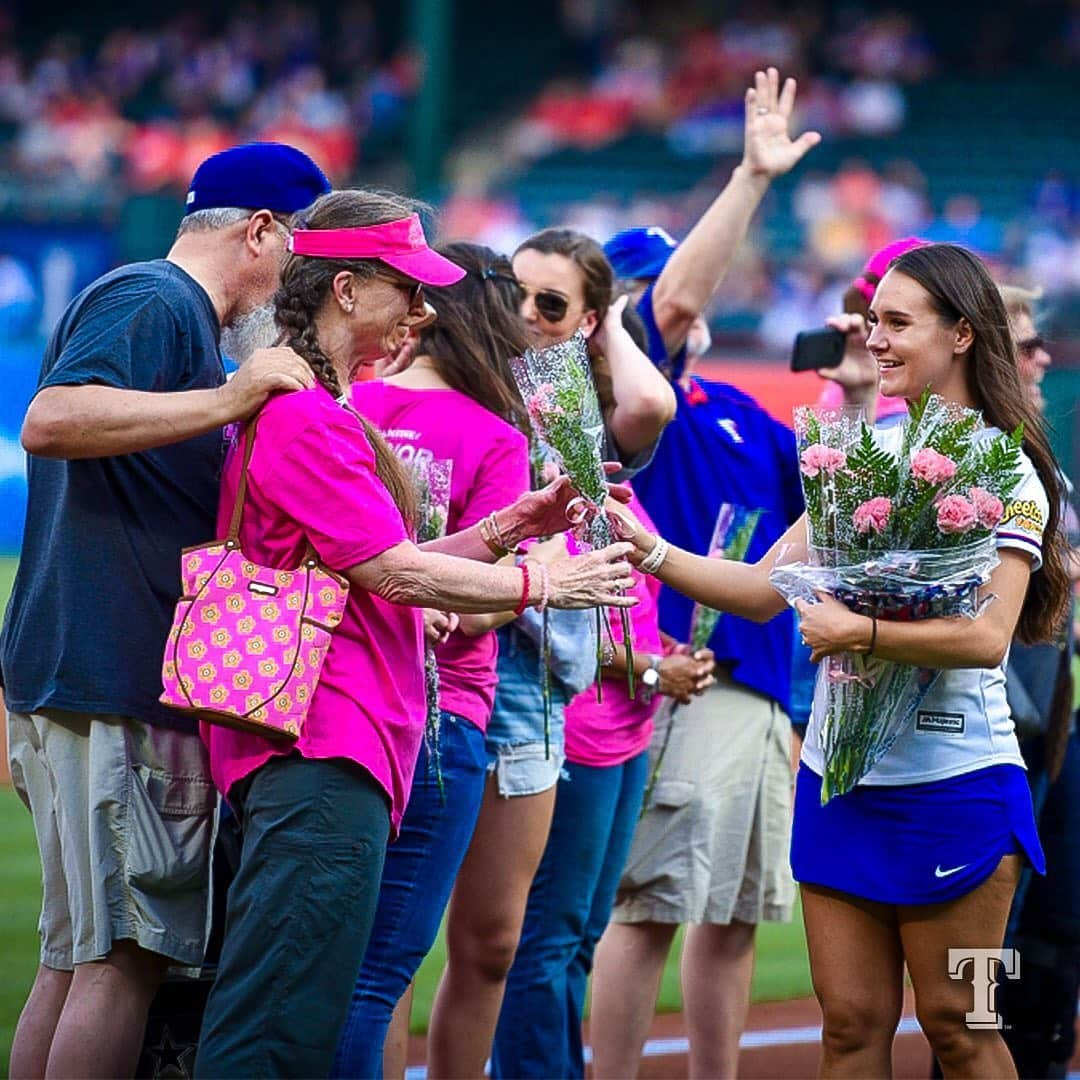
298, 916
417, 878
596, 812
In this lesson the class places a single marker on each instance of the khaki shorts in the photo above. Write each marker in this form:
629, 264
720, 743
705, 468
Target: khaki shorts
124, 816
712, 846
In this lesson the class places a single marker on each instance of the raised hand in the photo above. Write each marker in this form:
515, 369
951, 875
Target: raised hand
768, 149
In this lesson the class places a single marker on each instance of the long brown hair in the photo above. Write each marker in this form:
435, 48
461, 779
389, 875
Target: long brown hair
305, 284
589, 258
960, 287
478, 330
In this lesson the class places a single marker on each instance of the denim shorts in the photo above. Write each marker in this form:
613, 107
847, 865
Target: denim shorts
523, 760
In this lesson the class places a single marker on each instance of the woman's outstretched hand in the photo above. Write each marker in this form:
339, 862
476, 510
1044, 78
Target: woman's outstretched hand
598, 579
557, 507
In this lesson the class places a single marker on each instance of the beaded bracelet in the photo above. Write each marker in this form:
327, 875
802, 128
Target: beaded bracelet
525, 588
492, 537
545, 587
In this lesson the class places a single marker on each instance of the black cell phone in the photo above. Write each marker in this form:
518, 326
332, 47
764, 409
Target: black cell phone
816, 349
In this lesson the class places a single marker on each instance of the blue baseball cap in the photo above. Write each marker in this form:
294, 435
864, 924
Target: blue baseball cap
639, 254
257, 176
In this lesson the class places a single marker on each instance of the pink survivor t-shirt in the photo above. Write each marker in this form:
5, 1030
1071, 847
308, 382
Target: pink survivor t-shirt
490, 469
312, 475
619, 727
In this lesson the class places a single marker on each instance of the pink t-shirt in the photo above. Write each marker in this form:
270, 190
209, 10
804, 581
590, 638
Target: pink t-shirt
312, 475
619, 727
490, 470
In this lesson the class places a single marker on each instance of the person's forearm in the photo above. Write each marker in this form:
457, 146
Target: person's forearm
428, 579
644, 399
701, 262
616, 662
513, 527
103, 421
737, 588
475, 625
958, 642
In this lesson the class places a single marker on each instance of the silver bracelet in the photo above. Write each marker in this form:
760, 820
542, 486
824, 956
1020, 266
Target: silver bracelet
655, 559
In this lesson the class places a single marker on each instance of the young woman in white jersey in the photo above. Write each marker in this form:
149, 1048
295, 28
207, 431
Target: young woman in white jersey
924, 854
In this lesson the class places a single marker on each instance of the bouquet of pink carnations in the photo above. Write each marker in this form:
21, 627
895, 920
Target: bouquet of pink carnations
900, 525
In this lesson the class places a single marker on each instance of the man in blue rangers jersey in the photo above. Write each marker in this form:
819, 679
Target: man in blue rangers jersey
711, 848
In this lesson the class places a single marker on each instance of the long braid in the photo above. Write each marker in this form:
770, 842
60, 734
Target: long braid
295, 304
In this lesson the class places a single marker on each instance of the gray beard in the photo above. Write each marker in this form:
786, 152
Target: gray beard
253, 330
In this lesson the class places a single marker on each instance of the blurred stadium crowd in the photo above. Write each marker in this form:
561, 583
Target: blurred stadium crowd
631, 113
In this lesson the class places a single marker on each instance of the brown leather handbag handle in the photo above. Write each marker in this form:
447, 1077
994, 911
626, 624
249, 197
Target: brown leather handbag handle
310, 557
241, 487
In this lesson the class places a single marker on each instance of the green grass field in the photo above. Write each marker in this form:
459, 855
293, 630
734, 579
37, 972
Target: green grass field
781, 972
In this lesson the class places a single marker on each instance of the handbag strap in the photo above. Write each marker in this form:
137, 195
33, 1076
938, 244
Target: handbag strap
310, 557
241, 487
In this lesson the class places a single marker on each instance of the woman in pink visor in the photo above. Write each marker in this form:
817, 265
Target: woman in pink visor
855, 380
316, 816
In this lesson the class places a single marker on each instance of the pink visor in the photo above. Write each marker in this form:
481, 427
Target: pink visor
878, 264
400, 244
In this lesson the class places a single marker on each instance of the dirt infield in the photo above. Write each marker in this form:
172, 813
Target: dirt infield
781, 1041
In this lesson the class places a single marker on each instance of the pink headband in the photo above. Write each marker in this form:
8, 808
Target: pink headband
878, 263
400, 244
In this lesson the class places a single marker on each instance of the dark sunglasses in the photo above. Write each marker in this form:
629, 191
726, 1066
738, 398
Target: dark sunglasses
415, 288
1030, 346
550, 305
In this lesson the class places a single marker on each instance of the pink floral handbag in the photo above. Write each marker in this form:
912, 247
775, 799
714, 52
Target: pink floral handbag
247, 641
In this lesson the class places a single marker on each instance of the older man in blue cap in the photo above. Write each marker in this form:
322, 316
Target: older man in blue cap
711, 847
125, 444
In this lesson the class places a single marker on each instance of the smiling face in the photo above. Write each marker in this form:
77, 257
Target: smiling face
553, 280
913, 345
364, 319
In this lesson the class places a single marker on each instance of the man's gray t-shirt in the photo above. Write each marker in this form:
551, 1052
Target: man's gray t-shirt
99, 573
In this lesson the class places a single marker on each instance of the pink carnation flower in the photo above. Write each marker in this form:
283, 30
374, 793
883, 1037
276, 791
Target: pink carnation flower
932, 467
819, 458
988, 508
872, 515
955, 515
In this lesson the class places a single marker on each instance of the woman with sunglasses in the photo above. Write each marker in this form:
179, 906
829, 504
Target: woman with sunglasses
454, 403
567, 285
316, 816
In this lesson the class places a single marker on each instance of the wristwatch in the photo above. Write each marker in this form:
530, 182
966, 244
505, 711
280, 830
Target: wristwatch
650, 679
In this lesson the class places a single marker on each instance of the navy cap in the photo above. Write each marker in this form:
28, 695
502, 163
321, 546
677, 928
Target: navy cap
639, 254
257, 176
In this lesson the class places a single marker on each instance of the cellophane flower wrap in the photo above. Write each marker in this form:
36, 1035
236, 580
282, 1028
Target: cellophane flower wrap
900, 526
557, 387
431, 482
731, 538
